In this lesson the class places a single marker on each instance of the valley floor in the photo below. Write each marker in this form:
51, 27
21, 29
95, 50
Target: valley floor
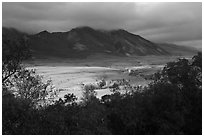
68, 75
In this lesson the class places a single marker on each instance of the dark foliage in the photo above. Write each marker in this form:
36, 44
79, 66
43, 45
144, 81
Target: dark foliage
171, 104
15, 49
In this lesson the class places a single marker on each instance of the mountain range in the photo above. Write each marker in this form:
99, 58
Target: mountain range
81, 42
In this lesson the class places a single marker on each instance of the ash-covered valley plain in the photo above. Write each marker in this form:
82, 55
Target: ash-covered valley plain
69, 75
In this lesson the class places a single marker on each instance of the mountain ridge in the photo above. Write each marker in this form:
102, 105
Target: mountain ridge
84, 41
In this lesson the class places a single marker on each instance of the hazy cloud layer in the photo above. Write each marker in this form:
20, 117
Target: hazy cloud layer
159, 22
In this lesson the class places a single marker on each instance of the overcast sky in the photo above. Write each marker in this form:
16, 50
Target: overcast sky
179, 23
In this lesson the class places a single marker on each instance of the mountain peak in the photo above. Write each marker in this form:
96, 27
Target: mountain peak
116, 42
44, 32
86, 28
119, 31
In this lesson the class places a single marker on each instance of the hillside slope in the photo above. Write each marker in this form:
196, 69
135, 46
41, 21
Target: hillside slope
84, 41
178, 50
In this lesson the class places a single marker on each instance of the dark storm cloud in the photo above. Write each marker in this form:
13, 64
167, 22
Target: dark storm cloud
159, 22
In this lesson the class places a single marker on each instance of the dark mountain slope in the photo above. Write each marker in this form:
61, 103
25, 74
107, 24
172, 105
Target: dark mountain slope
135, 44
177, 49
11, 33
84, 41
